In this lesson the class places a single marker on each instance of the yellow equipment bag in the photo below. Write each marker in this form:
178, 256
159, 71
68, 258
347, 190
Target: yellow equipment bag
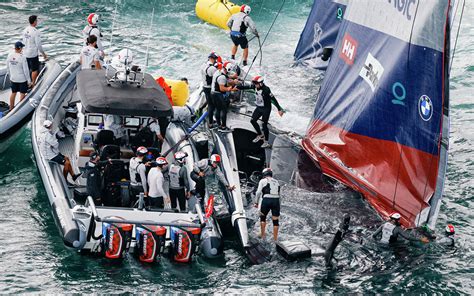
179, 91
216, 12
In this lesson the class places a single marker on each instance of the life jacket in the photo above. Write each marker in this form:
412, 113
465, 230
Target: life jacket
133, 168
239, 24
387, 233
271, 189
216, 84
176, 182
208, 78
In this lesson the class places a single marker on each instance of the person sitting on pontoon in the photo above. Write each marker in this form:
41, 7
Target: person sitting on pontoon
391, 230
49, 147
17, 70
90, 55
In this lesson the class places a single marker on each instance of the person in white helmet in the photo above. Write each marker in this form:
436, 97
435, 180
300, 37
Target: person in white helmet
220, 91
179, 183
137, 170
49, 147
238, 25
205, 168
268, 199
17, 71
391, 230
32, 40
92, 29
89, 58
156, 182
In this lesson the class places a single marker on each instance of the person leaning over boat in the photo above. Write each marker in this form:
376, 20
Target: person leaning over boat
264, 99
49, 147
391, 230
238, 25
268, 199
207, 72
32, 41
138, 178
208, 167
92, 29
90, 55
178, 179
17, 70
93, 173
220, 94
156, 182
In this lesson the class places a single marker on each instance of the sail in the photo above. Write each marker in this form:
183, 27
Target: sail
381, 121
320, 32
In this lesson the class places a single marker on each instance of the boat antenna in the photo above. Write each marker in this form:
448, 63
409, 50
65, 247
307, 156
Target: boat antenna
112, 34
148, 41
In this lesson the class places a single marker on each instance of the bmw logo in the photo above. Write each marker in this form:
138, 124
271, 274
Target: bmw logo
425, 107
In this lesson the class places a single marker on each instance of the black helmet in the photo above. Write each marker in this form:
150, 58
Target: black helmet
267, 172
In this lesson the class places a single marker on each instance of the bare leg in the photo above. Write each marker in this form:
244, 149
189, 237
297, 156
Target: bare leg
246, 54
68, 169
275, 229
34, 75
263, 225
22, 96
12, 100
234, 50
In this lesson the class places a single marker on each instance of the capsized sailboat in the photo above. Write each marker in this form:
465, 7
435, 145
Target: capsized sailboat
381, 121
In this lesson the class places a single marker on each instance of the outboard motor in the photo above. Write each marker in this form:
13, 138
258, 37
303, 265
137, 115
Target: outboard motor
150, 242
116, 239
184, 242
211, 245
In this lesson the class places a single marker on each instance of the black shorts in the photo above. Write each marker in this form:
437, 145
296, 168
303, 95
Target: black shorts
272, 204
21, 87
61, 159
240, 40
33, 64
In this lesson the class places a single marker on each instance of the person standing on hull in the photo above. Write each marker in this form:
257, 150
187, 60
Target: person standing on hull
92, 29
238, 25
207, 72
49, 147
264, 100
391, 230
156, 181
268, 199
179, 183
137, 170
90, 55
32, 41
220, 94
208, 167
17, 70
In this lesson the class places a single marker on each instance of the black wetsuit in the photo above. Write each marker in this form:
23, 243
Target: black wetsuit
93, 174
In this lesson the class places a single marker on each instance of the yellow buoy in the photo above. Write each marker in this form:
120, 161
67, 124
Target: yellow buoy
216, 12
179, 91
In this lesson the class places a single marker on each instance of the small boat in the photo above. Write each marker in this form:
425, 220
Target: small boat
115, 228
11, 123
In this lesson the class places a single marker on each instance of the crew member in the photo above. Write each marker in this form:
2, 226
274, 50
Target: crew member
137, 170
32, 41
92, 29
268, 198
264, 99
156, 181
49, 147
90, 55
238, 24
179, 183
449, 238
159, 127
220, 94
208, 167
391, 230
93, 173
113, 123
17, 70
207, 72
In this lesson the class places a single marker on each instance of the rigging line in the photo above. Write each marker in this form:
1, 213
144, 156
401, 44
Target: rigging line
261, 8
111, 37
148, 41
401, 148
457, 35
455, 11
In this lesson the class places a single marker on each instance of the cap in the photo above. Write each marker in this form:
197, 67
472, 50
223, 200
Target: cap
19, 44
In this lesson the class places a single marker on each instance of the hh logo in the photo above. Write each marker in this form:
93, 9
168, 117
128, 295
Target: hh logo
372, 71
348, 49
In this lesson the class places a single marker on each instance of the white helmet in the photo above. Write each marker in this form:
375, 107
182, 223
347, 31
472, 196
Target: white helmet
125, 56
47, 123
142, 150
395, 216
450, 229
245, 9
161, 161
229, 67
180, 157
215, 158
92, 19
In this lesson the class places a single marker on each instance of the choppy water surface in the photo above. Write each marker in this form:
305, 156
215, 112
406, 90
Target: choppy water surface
32, 255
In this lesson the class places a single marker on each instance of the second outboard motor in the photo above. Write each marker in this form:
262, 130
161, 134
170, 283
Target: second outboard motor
184, 243
150, 242
116, 239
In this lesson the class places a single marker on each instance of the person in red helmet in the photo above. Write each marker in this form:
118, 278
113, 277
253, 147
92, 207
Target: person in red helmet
179, 183
391, 230
220, 91
238, 25
449, 238
137, 170
156, 182
92, 29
